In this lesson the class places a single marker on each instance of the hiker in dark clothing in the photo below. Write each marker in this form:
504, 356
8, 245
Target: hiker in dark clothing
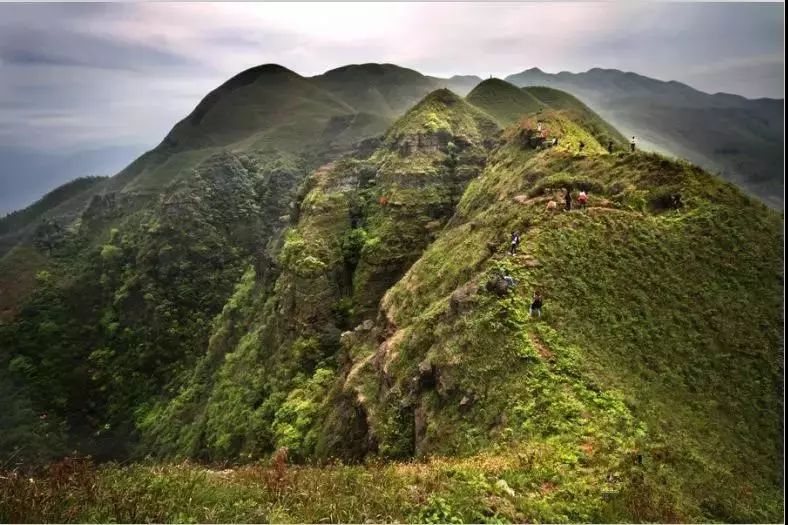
536, 305
610, 147
582, 145
568, 199
515, 243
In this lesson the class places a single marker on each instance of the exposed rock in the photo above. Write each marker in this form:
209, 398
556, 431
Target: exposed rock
497, 286
502, 487
366, 326
466, 402
427, 374
445, 383
461, 299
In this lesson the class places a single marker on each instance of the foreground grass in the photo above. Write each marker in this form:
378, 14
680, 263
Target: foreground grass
516, 485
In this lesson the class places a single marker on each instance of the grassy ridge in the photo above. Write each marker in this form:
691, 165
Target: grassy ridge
630, 283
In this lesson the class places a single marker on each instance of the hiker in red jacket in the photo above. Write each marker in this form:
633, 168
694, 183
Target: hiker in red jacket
582, 199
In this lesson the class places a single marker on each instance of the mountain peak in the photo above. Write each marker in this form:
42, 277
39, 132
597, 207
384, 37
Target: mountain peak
370, 69
443, 96
251, 75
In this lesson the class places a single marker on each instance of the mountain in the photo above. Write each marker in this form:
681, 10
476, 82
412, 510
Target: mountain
508, 104
460, 84
742, 139
503, 101
293, 285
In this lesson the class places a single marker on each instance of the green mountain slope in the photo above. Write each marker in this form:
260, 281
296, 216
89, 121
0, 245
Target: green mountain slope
741, 139
503, 101
362, 222
350, 305
507, 104
285, 124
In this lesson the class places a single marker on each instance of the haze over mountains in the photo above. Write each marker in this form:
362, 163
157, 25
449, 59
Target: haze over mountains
740, 138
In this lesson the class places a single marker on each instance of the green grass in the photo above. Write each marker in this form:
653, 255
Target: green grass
509, 485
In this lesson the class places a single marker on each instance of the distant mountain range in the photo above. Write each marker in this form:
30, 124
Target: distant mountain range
738, 138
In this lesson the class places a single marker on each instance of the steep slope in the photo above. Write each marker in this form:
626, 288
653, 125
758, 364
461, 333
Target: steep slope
285, 124
627, 367
740, 138
362, 222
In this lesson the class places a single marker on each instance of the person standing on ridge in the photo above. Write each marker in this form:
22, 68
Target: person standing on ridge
536, 305
515, 243
610, 146
632, 144
568, 199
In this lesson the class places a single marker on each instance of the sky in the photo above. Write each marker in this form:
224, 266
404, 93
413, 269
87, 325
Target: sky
110, 80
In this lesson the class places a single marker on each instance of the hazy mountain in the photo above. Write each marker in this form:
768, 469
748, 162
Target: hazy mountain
742, 139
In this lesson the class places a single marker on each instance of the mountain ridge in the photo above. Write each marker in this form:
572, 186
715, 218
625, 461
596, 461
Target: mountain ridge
352, 303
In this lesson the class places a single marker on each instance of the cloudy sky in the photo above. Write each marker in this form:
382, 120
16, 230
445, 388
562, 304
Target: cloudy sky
107, 81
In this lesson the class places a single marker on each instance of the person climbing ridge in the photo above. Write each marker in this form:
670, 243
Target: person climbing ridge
582, 145
582, 198
515, 243
610, 146
567, 199
510, 282
632, 144
536, 305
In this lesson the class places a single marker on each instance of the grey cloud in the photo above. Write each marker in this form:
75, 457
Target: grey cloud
24, 46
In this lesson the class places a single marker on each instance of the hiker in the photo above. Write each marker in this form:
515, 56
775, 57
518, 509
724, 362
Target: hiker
567, 199
610, 147
536, 305
582, 145
515, 243
552, 206
539, 127
510, 282
632, 144
582, 199
555, 142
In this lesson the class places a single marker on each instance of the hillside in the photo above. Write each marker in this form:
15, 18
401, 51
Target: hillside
741, 139
507, 104
239, 291
503, 101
